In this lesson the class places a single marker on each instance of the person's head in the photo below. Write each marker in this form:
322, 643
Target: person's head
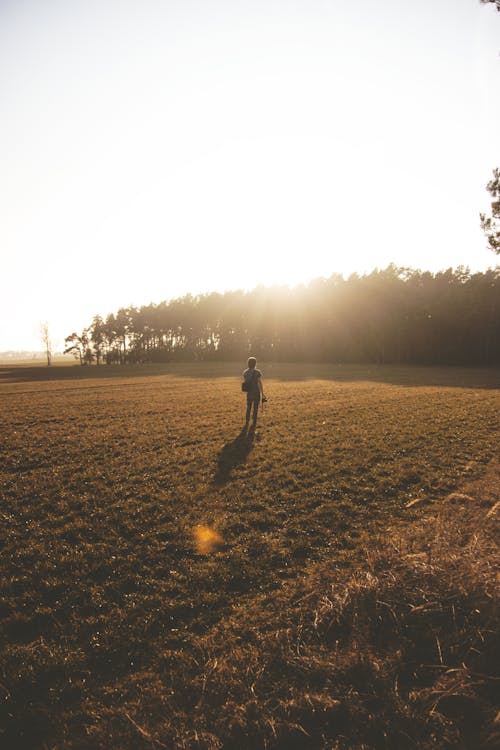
252, 362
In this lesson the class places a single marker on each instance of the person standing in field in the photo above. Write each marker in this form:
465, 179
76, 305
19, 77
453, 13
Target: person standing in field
252, 385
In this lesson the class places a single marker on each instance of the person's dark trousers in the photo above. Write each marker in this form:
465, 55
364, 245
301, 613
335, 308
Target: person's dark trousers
252, 401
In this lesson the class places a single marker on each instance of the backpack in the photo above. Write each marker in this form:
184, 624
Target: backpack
247, 384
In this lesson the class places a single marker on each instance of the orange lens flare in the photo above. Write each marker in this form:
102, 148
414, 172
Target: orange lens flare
206, 539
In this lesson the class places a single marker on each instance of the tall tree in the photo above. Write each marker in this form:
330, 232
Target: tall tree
491, 224
79, 346
98, 338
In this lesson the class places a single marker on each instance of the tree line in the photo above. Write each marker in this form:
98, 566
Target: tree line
395, 315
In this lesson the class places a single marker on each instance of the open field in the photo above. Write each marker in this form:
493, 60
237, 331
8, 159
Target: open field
168, 582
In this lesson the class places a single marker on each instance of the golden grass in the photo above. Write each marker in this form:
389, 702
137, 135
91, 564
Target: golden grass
331, 610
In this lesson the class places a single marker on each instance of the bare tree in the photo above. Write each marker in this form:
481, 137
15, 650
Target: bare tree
45, 334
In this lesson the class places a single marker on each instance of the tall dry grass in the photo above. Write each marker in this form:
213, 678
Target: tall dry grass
401, 653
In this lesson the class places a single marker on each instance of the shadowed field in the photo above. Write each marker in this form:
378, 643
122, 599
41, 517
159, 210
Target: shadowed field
458, 377
119, 630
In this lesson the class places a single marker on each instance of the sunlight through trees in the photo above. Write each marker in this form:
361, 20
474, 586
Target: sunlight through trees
396, 315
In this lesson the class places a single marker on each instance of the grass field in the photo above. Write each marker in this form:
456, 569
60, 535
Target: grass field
169, 582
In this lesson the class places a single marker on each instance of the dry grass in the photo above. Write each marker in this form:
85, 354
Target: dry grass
335, 606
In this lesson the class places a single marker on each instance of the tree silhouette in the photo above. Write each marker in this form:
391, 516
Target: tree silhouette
491, 224
394, 315
78, 346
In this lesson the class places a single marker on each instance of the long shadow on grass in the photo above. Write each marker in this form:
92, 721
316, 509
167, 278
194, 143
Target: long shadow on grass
232, 454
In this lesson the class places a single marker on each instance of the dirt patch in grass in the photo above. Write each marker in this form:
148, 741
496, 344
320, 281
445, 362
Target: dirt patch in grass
323, 617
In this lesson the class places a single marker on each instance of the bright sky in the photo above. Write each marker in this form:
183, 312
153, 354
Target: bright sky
158, 147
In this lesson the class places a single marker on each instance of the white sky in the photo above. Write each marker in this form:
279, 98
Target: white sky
153, 148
